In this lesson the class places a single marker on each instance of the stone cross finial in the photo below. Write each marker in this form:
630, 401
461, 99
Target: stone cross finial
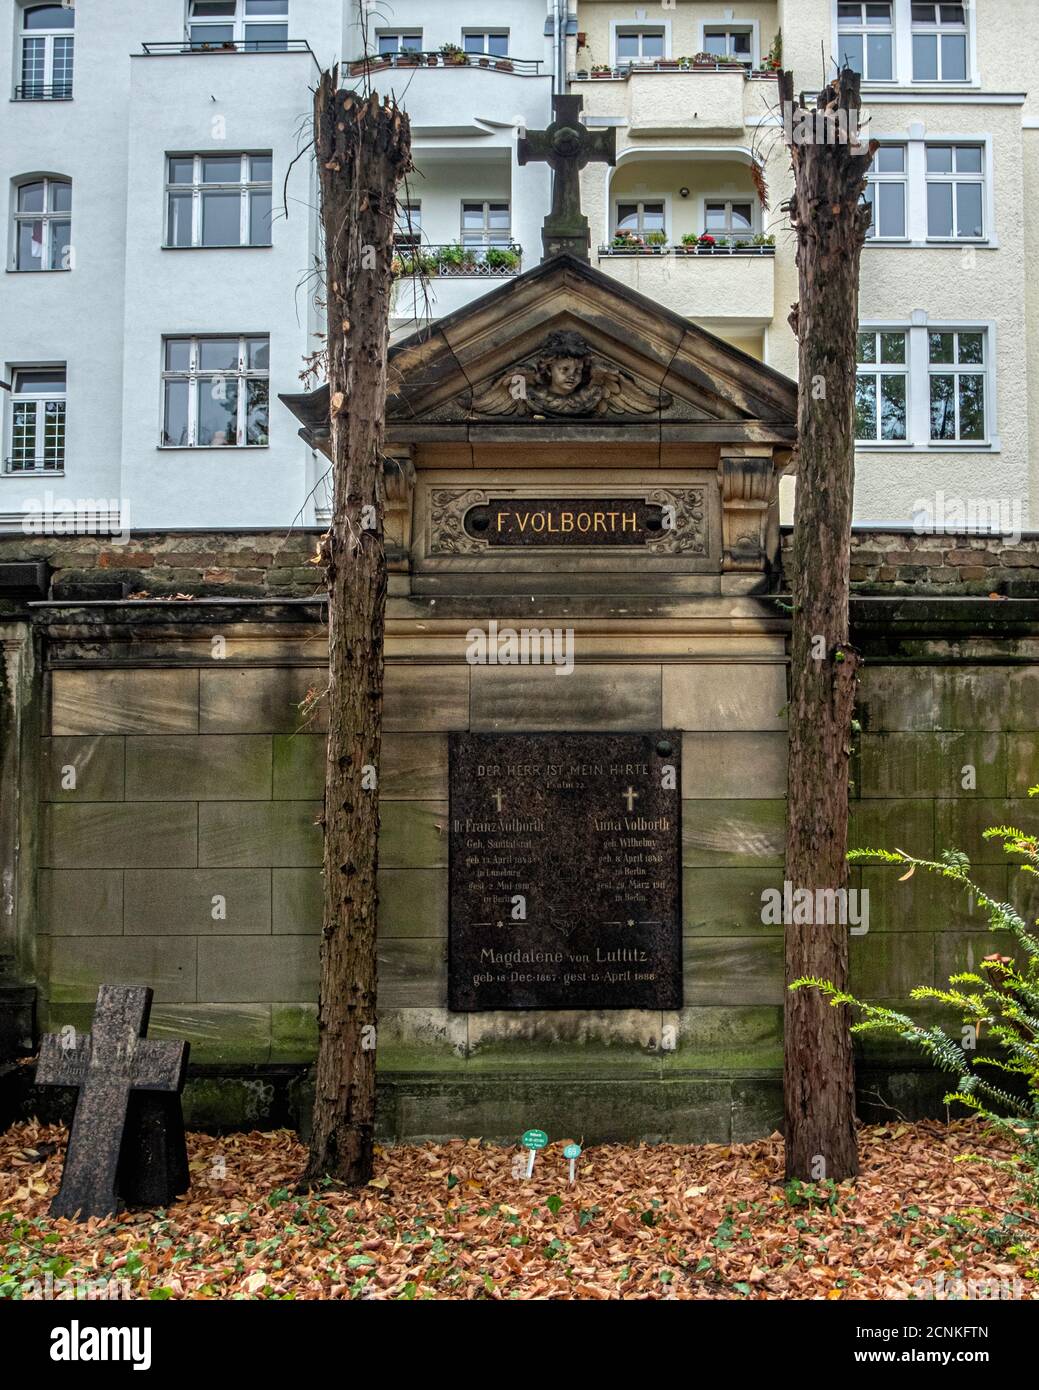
566, 147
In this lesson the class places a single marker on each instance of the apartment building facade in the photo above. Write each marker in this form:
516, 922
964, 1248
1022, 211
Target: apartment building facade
162, 227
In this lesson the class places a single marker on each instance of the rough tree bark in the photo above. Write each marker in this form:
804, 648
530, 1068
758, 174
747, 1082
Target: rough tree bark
830, 223
362, 149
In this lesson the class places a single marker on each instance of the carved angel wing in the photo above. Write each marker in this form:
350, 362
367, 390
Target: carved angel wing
622, 395
507, 395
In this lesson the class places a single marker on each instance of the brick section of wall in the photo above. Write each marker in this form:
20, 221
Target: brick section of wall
886, 562
276, 564
161, 564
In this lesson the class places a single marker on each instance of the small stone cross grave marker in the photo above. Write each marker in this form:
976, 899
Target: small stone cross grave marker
126, 1145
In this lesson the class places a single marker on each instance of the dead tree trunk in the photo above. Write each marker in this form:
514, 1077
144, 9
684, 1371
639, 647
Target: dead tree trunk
830, 223
362, 150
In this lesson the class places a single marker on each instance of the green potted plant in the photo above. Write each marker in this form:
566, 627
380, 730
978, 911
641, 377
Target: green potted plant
627, 241
602, 70
763, 242
456, 259
501, 258
687, 245
656, 240
409, 58
452, 55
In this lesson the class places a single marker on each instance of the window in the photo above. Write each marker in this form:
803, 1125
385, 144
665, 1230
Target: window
939, 43
955, 192
640, 218
727, 218
408, 224
37, 421
218, 200
865, 39
728, 43
257, 25
42, 226
492, 41
398, 42
881, 387
47, 53
215, 392
486, 224
886, 193
956, 362
640, 45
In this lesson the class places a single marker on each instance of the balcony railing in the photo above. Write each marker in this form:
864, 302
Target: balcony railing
490, 262
157, 50
737, 246
39, 91
620, 72
379, 62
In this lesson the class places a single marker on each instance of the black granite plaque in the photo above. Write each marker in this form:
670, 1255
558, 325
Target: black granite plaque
565, 871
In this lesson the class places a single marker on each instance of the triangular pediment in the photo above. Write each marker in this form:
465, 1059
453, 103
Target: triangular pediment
565, 349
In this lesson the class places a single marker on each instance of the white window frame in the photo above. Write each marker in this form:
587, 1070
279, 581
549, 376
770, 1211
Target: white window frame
917, 236
407, 222
46, 217
957, 369
878, 180
48, 36
937, 29
490, 236
955, 178
195, 373
41, 399
902, 72
399, 35
861, 28
245, 186
728, 199
486, 34
729, 27
640, 200
918, 327
879, 369
627, 26
239, 22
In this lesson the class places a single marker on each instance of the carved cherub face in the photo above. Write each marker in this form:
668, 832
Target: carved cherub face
565, 375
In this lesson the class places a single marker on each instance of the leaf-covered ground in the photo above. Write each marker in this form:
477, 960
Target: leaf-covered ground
454, 1221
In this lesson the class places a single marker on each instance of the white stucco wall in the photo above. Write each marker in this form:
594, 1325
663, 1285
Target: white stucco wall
107, 316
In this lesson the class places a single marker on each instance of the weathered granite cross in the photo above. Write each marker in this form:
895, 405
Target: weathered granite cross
567, 146
126, 1145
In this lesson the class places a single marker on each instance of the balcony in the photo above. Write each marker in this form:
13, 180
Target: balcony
718, 287
431, 280
667, 98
